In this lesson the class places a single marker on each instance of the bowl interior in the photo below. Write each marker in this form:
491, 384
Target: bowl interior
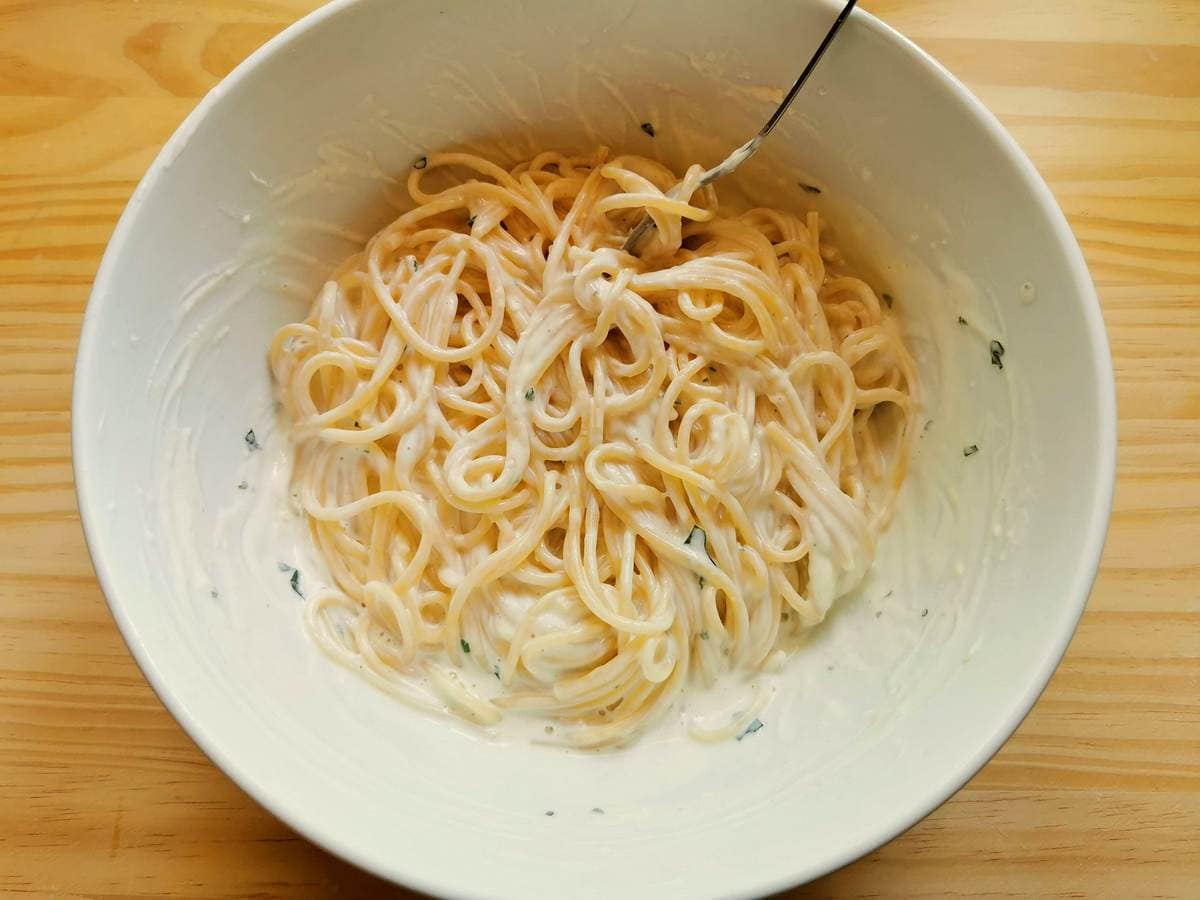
907, 688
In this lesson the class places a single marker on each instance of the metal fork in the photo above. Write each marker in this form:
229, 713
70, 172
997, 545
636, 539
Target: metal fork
748, 149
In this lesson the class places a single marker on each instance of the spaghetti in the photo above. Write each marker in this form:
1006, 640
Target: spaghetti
551, 477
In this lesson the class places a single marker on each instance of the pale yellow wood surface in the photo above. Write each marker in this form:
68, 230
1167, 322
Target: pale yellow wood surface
1098, 795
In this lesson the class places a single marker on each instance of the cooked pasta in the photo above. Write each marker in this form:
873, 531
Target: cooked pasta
552, 478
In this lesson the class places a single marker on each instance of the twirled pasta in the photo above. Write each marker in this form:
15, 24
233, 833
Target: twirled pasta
552, 477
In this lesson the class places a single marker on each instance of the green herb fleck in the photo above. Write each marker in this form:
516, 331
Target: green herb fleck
701, 579
971, 451
529, 394
243, 485
549, 812
697, 538
416, 265
295, 582
470, 221
213, 593
888, 299
677, 403
755, 725
712, 368
962, 321
251, 440
997, 350
356, 423
704, 635
496, 672
421, 162
283, 567
924, 613
648, 128
597, 810
810, 188
466, 648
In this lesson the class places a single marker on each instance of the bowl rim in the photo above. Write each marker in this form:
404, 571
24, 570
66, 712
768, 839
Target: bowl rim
305, 821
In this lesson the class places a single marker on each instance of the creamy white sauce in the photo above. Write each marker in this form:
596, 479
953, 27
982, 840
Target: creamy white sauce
924, 585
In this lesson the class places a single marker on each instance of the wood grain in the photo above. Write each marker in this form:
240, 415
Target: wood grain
1097, 795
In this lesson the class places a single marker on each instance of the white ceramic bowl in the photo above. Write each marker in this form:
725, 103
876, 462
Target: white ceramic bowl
900, 697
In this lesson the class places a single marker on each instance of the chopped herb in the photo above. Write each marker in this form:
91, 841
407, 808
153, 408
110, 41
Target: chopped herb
697, 537
529, 394
926, 427
284, 567
295, 582
466, 648
356, 423
251, 440
597, 810
213, 593
496, 672
470, 221
755, 725
421, 162
677, 402
549, 812
704, 635
810, 188
416, 265
712, 368
648, 128
701, 579
962, 321
971, 451
888, 299
997, 349
878, 613
242, 485
924, 613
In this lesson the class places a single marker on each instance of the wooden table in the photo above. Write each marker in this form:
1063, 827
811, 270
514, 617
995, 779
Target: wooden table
1098, 794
